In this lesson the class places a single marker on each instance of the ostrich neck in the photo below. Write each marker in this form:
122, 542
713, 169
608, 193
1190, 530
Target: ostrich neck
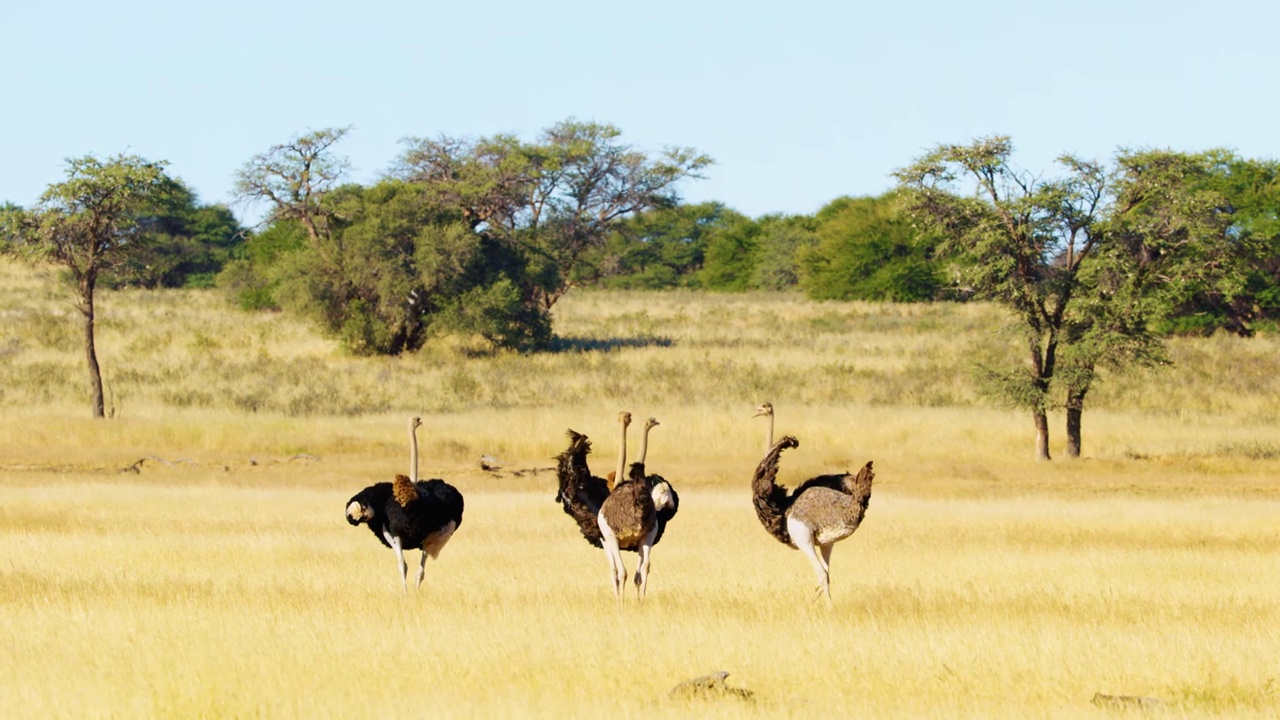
644, 445
622, 455
413, 453
768, 441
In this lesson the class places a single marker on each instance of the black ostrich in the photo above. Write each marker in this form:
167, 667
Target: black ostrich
408, 514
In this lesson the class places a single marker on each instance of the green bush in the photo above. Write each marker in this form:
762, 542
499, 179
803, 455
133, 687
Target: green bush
867, 249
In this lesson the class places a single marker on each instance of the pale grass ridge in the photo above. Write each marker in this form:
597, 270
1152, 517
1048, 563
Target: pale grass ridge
980, 584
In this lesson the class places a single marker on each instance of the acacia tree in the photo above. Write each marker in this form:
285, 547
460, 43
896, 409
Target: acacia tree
1080, 261
1161, 239
90, 223
401, 268
294, 177
557, 198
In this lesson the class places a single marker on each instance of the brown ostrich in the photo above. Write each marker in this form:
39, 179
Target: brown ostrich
628, 517
664, 495
815, 516
636, 510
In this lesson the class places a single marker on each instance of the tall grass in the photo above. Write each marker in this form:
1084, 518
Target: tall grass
217, 577
190, 349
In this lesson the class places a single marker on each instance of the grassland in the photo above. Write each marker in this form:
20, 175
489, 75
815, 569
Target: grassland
221, 580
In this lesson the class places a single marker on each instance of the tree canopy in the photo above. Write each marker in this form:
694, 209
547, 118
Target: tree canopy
869, 249
294, 178
557, 199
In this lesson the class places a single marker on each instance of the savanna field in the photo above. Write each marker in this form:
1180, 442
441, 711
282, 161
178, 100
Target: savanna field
189, 557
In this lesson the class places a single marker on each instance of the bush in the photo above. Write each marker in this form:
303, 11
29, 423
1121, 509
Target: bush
867, 249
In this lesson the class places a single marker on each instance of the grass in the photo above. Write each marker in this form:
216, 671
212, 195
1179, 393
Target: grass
221, 581
123, 601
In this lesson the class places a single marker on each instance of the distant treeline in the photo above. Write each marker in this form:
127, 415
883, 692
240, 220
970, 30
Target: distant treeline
484, 236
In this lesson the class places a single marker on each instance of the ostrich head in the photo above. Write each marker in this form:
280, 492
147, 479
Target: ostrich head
358, 512
764, 410
651, 423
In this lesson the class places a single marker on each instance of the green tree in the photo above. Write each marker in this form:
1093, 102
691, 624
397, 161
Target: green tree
764, 254
90, 223
557, 199
1081, 261
396, 267
782, 241
660, 248
732, 255
1249, 290
869, 249
190, 243
251, 276
10, 215
1159, 237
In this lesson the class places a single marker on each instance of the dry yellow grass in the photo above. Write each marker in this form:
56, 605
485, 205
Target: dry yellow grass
183, 595
982, 584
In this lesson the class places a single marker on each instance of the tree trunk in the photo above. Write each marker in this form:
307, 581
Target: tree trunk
1075, 412
1042, 434
1043, 367
1073, 432
90, 352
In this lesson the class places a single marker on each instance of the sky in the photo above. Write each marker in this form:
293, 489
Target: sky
798, 102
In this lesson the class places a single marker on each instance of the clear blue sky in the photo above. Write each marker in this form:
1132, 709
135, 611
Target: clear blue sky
799, 102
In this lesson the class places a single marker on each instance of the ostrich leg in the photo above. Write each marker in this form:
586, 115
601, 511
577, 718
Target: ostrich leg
642, 570
802, 536
404, 566
617, 570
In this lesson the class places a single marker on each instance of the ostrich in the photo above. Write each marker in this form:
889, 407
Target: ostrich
409, 513
628, 517
815, 516
583, 497
665, 499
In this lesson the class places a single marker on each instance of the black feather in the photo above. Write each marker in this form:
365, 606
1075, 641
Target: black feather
374, 498
438, 504
666, 513
580, 493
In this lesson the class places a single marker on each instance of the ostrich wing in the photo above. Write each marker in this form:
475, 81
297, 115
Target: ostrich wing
581, 494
